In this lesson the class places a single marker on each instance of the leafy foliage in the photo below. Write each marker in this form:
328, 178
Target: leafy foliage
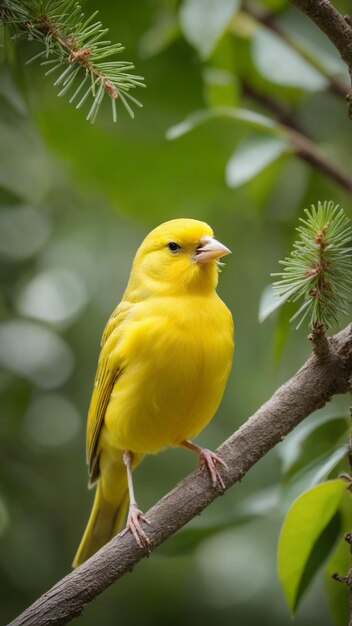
305, 522
74, 47
319, 267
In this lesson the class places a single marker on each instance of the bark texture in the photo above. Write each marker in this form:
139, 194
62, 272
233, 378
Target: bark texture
309, 389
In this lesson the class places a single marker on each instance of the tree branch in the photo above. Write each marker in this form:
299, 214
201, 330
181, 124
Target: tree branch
335, 26
309, 389
267, 19
304, 147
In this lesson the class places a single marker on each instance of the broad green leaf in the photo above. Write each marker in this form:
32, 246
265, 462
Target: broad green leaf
305, 522
281, 64
318, 470
252, 156
312, 440
246, 116
204, 21
320, 553
269, 302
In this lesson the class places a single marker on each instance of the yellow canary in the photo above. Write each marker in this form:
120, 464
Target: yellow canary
165, 358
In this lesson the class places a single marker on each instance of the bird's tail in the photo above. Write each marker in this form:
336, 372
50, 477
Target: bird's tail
105, 520
110, 504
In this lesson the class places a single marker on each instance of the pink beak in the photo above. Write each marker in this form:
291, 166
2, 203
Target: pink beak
210, 249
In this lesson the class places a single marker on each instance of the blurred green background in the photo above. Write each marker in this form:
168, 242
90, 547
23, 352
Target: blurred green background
75, 202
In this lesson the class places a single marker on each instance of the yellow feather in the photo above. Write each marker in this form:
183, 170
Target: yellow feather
166, 355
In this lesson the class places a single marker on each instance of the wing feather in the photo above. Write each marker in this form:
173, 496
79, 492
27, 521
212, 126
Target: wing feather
107, 374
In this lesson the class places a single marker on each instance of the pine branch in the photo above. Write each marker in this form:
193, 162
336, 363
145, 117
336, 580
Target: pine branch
319, 268
309, 389
75, 50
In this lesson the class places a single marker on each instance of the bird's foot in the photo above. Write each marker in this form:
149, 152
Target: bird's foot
133, 526
210, 459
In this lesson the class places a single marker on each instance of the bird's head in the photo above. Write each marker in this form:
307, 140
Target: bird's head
178, 256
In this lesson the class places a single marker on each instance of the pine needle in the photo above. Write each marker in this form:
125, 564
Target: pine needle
76, 47
319, 268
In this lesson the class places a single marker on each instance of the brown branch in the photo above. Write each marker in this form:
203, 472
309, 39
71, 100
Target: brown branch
267, 19
309, 389
304, 147
335, 26
282, 113
319, 341
308, 151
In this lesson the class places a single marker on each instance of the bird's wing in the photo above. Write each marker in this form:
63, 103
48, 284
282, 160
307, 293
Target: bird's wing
109, 369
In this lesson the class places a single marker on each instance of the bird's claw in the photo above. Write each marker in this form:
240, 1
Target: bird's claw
133, 526
210, 459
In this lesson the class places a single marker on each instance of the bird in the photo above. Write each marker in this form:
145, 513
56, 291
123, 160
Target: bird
166, 354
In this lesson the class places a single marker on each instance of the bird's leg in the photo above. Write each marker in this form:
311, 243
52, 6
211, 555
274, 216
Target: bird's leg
134, 514
210, 459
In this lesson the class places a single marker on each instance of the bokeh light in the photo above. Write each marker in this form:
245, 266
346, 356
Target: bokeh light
35, 352
52, 420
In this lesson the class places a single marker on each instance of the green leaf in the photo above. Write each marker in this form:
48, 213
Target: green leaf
255, 120
318, 470
204, 21
320, 552
305, 522
281, 64
252, 156
312, 440
269, 302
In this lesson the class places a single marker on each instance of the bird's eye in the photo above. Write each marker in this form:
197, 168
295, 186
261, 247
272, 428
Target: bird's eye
173, 246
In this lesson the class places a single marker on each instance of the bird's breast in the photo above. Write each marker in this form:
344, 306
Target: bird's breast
177, 356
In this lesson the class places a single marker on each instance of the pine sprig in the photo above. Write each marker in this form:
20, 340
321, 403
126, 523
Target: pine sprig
319, 268
75, 51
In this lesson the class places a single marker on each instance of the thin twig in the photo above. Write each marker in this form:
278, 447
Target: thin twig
308, 151
267, 18
309, 389
304, 147
281, 112
335, 26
